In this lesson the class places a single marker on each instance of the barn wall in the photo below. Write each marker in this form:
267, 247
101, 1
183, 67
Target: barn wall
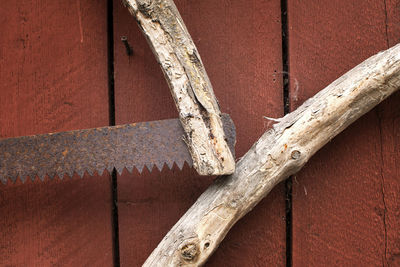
345, 201
53, 77
54, 66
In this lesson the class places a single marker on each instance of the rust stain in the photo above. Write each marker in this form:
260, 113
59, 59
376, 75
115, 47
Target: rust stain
125, 146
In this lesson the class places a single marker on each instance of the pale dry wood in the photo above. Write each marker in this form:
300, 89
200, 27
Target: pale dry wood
279, 153
191, 89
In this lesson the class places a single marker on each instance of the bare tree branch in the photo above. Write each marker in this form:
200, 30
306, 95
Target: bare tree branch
279, 153
191, 89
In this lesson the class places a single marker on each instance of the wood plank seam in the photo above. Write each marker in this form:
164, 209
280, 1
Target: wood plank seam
111, 110
286, 110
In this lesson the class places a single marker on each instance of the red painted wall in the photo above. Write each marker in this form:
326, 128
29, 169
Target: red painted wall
346, 200
53, 77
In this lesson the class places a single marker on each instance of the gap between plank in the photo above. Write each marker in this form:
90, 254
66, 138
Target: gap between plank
286, 110
111, 112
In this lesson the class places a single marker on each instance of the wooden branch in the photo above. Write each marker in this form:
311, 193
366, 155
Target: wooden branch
279, 153
191, 89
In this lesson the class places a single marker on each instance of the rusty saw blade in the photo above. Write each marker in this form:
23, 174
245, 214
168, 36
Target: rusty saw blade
98, 149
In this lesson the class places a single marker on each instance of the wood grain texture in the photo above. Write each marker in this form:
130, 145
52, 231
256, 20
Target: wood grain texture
53, 76
241, 59
341, 208
279, 153
190, 87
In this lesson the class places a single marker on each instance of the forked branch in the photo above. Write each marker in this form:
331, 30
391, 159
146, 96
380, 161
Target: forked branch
191, 89
279, 153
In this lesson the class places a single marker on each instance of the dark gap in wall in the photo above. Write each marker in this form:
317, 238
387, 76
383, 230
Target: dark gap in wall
286, 109
115, 229
111, 111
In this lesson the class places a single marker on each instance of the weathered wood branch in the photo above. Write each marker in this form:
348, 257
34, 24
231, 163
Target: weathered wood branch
279, 153
191, 89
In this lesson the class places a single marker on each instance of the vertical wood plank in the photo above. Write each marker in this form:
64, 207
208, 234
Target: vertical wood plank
389, 122
344, 198
53, 77
240, 44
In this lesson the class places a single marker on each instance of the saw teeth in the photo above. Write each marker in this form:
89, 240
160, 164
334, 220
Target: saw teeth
159, 166
180, 164
41, 176
140, 168
119, 169
170, 164
4, 179
100, 171
90, 172
80, 173
60, 175
149, 166
189, 163
51, 175
70, 173
129, 169
110, 169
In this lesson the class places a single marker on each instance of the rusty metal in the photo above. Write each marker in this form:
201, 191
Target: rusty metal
124, 146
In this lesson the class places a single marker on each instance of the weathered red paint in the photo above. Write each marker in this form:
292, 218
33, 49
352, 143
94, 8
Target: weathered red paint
53, 77
240, 44
345, 201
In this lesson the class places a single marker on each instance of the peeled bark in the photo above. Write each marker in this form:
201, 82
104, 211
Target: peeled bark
191, 89
279, 153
